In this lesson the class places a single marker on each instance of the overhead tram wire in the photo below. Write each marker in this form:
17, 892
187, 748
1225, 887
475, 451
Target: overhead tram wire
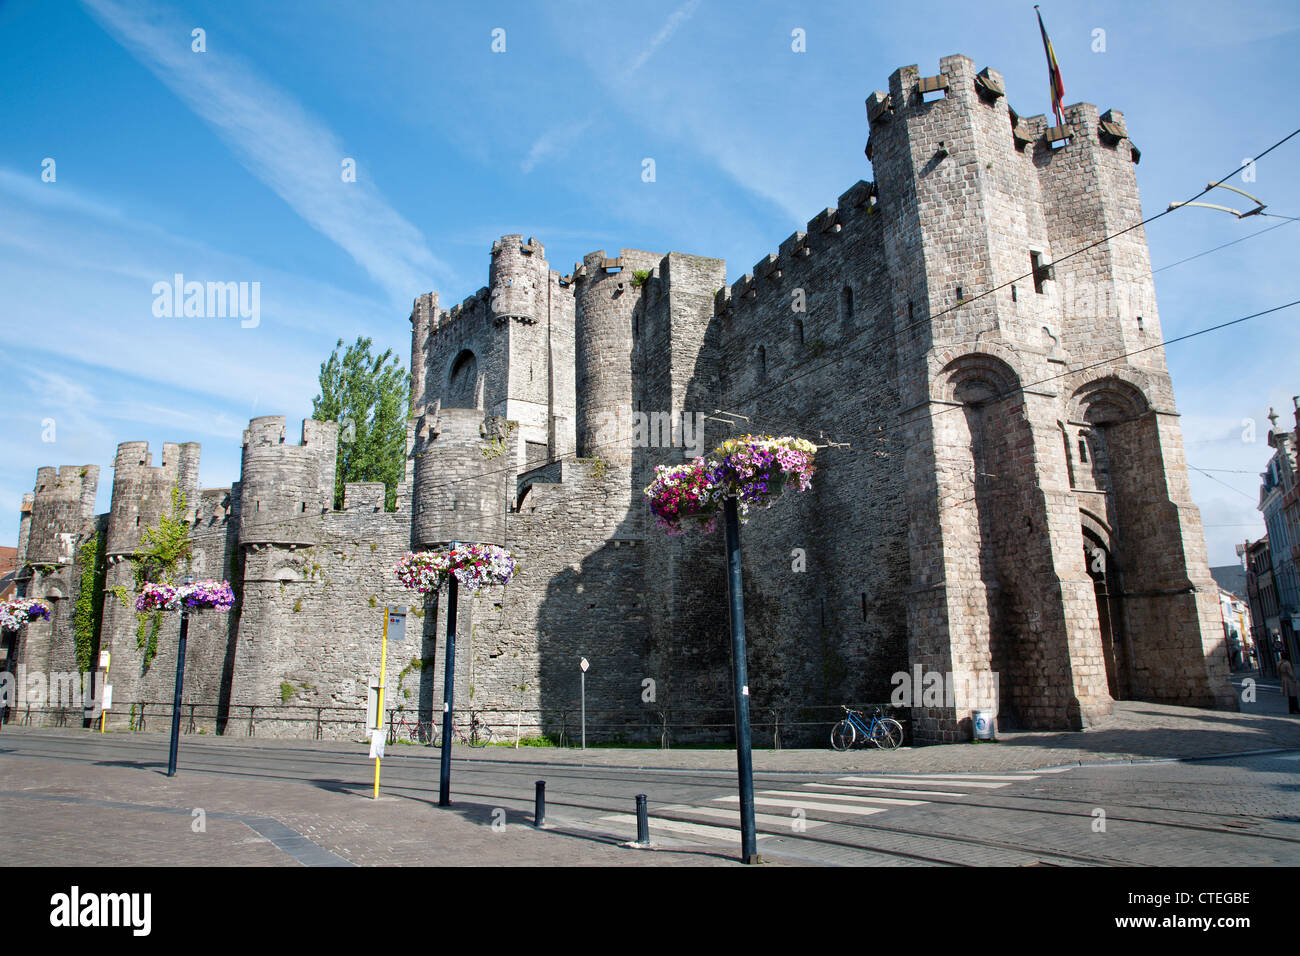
878, 343
965, 302
1116, 358
999, 397
1224, 483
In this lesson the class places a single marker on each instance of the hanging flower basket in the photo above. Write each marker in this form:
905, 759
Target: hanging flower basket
198, 594
685, 492
755, 469
14, 614
474, 565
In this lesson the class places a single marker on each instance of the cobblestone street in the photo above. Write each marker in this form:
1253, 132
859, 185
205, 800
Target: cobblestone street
1116, 795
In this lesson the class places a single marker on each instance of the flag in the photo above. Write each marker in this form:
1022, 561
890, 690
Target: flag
1053, 73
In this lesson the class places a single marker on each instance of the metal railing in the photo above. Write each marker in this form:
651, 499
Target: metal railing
772, 727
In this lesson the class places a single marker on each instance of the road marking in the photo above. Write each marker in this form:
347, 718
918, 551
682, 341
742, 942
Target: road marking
1292, 757
810, 805
678, 826
764, 819
967, 782
936, 793
846, 797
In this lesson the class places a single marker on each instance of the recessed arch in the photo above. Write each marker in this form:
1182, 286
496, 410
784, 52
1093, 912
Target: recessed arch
462, 381
976, 378
1107, 401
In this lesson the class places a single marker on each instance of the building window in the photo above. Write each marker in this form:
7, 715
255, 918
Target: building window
798, 330
1040, 271
846, 308
762, 363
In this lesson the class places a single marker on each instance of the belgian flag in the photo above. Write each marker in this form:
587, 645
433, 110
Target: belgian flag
1053, 73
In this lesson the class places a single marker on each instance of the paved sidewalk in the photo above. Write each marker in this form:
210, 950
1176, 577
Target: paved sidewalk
65, 814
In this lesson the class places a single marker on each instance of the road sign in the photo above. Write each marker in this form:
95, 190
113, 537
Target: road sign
584, 665
103, 660
397, 623
108, 697
377, 744
373, 688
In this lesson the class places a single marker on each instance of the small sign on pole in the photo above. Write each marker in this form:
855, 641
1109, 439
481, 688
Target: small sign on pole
376, 744
108, 697
373, 720
396, 623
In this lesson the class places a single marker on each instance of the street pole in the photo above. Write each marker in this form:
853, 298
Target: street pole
583, 668
383, 681
744, 759
176, 697
107, 658
448, 683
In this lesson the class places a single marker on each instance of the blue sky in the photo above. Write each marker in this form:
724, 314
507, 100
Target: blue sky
224, 166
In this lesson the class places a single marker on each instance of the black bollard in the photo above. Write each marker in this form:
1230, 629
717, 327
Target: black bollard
642, 821
539, 805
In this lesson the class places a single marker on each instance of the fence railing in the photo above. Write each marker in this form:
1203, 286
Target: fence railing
772, 727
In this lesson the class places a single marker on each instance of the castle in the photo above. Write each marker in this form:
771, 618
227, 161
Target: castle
995, 494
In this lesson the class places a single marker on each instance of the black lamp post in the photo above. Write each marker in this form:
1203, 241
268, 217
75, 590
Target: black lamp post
740, 677
448, 685
180, 681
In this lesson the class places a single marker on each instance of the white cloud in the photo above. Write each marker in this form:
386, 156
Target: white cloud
287, 148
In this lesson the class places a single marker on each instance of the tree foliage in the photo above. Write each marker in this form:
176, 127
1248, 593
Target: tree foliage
367, 395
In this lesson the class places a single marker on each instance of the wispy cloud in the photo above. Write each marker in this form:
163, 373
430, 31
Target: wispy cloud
675, 20
288, 149
558, 140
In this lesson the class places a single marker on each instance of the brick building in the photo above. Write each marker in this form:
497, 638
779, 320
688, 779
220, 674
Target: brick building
1006, 505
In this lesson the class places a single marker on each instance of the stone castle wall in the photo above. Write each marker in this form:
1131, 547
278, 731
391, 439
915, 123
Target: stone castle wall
972, 452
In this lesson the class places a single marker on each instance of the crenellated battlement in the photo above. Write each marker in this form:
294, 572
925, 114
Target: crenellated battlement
280, 481
851, 221
60, 508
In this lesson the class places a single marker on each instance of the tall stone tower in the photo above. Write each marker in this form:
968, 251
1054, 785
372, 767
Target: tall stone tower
1021, 452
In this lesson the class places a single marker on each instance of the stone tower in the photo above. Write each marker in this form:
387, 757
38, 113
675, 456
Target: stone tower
1020, 452
460, 493
142, 494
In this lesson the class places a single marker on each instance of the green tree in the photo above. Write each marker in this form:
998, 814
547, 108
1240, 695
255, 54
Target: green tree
367, 395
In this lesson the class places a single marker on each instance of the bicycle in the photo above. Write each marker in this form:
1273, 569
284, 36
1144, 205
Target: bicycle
885, 732
420, 731
478, 735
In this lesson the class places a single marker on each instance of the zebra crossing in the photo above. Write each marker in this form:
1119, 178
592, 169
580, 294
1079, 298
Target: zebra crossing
791, 811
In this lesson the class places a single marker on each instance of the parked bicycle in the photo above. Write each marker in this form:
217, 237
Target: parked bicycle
885, 732
420, 731
477, 734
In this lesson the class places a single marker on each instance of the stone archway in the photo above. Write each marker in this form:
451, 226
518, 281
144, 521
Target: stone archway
1100, 562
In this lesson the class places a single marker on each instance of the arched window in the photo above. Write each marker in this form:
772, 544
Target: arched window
462, 381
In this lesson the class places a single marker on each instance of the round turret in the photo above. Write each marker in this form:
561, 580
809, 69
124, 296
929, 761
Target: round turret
280, 482
460, 487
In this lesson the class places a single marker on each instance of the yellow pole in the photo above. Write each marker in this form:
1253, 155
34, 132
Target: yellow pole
379, 717
108, 659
